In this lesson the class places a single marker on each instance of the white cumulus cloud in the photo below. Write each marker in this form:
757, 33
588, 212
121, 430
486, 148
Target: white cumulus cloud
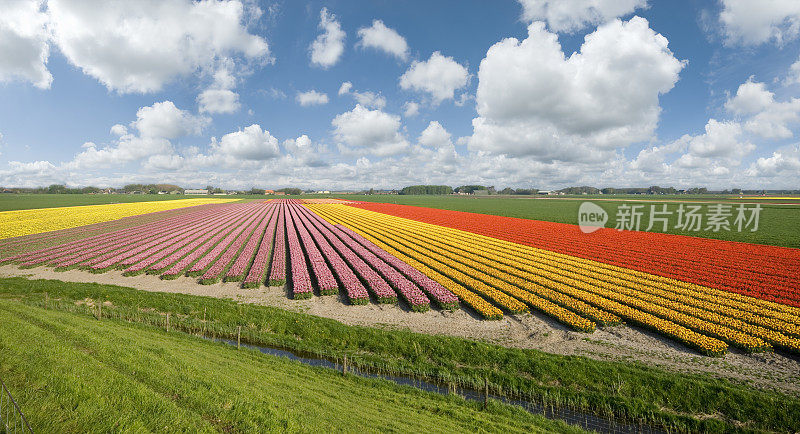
533, 100
383, 38
218, 101
139, 46
435, 136
251, 143
329, 45
749, 22
573, 15
24, 47
311, 97
439, 76
372, 131
765, 117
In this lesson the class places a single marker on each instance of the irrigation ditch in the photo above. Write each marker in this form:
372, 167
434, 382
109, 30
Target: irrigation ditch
473, 389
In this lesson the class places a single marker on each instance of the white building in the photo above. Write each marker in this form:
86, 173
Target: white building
195, 191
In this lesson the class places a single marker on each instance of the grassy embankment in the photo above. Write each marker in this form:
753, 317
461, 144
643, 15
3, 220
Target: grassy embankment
71, 373
629, 390
777, 224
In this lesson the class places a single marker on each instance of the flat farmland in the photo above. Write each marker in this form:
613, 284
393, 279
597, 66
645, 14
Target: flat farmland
681, 306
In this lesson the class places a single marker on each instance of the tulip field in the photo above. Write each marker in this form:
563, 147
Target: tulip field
678, 287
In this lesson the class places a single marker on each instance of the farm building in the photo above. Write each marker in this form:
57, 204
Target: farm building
190, 191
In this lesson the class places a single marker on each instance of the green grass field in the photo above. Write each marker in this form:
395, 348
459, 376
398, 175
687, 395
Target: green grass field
10, 202
686, 402
778, 224
71, 373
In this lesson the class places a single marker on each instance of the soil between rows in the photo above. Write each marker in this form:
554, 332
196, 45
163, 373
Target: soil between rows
532, 331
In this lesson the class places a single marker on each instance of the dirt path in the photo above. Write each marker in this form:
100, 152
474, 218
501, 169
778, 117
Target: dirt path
622, 343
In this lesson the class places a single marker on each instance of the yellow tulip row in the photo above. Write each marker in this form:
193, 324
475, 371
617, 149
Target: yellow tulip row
773, 328
509, 297
575, 288
33, 221
483, 307
546, 301
758, 312
487, 264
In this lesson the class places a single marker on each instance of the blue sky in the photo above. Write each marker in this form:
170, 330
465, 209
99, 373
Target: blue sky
604, 93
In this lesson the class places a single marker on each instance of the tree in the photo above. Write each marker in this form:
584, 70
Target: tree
291, 191
469, 189
427, 189
257, 190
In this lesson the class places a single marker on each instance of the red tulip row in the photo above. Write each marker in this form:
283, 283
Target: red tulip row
325, 281
765, 272
224, 257
341, 263
247, 257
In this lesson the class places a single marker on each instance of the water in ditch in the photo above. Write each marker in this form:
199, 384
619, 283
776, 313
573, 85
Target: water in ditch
584, 420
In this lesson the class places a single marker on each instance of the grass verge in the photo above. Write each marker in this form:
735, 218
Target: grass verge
631, 391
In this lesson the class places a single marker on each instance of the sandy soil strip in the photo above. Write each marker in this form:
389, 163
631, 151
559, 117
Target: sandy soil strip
769, 370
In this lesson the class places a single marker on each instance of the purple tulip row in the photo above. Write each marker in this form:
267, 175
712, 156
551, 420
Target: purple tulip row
226, 256
145, 259
226, 244
196, 250
356, 292
75, 252
277, 273
142, 241
301, 280
99, 229
438, 293
247, 256
407, 289
325, 280
141, 249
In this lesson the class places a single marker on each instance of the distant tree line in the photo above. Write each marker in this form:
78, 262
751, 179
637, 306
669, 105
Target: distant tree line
427, 189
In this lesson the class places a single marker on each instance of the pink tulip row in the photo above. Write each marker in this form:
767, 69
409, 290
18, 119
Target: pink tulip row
145, 257
246, 257
75, 252
356, 292
103, 227
224, 244
155, 239
407, 289
232, 251
277, 272
70, 247
301, 280
325, 281
438, 293
179, 250
195, 250
140, 249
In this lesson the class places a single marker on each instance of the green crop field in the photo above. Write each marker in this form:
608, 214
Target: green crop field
71, 373
195, 382
778, 223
